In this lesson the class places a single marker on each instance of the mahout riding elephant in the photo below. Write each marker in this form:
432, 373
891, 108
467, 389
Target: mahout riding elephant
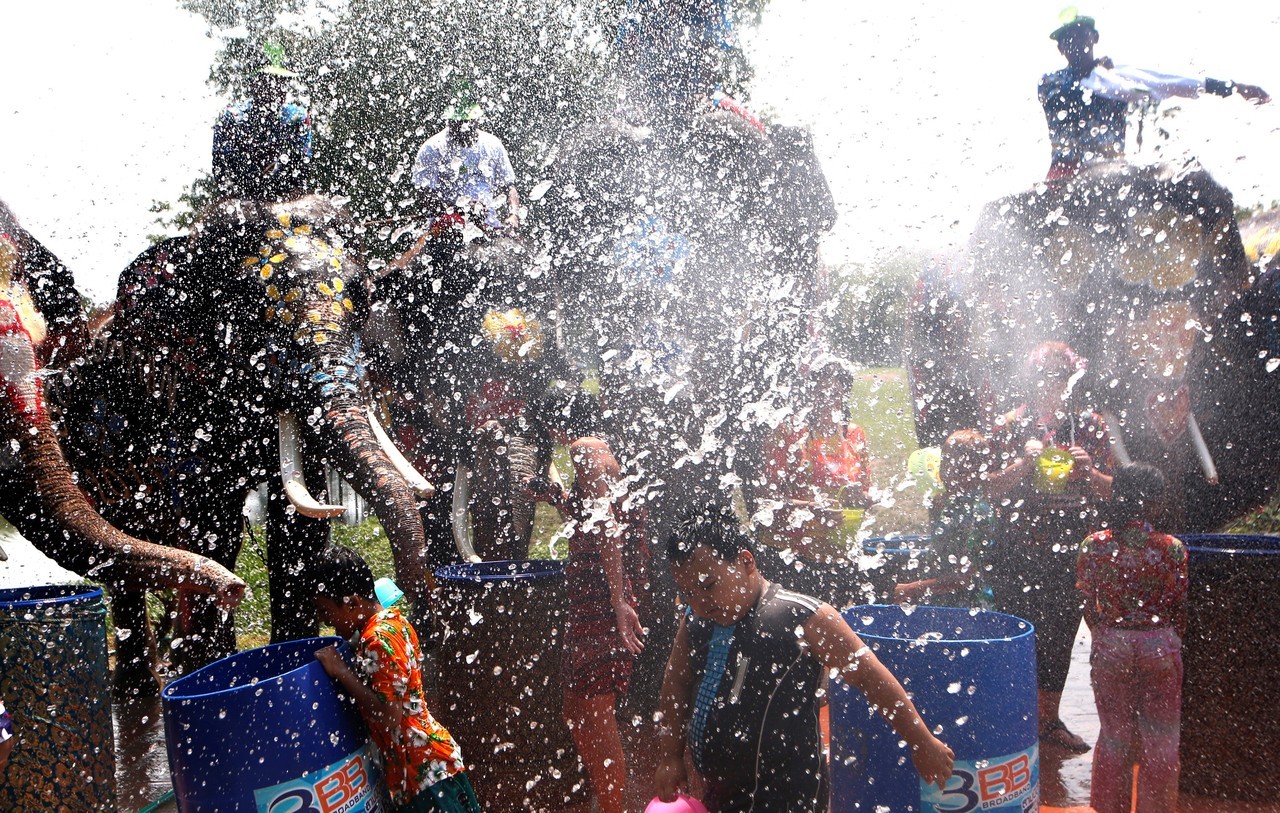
1142, 271
234, 354
40, 318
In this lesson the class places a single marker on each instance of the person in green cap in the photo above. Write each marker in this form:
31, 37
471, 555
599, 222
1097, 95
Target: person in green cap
465, 171
262, 147
1086, 103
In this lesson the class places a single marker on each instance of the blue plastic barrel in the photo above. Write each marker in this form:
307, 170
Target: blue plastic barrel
501, 694
55, 684
265, 730
893, 559
1230, 706
972, 675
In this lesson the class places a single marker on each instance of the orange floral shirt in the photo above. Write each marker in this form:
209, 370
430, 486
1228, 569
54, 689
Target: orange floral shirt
389, 654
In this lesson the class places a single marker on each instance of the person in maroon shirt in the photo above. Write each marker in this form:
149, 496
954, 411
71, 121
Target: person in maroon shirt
1134, 582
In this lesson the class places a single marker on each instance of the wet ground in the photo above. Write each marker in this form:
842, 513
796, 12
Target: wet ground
143, 773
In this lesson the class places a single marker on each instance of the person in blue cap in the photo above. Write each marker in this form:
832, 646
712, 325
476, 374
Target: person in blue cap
262, 147
1086, 103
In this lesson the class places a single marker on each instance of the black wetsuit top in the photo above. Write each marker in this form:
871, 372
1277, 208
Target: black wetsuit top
754, 729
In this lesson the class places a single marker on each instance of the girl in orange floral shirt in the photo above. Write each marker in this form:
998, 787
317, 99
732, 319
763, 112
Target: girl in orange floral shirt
421, 763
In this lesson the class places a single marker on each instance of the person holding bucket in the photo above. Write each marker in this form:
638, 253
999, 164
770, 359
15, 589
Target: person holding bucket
421, 763
1054, 467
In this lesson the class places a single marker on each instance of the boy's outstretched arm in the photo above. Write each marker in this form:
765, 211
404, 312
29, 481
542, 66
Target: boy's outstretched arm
376, 712
677, 690
837, 646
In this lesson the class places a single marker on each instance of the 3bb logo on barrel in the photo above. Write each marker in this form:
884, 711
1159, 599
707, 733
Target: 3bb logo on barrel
343, 787
1007, 783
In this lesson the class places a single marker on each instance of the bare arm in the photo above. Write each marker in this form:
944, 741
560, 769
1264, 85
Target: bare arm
375, 711
837, 646
595, 471
673, 720
513, 207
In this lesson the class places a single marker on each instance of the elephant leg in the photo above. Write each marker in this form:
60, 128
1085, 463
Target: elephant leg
293, 541
207, 631
135, 672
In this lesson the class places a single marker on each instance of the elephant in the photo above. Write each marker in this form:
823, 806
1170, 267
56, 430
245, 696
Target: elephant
461, 342
232, 353
41, 322
1142, 270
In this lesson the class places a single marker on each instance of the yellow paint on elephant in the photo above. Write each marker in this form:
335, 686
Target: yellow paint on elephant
266, 271
286, 316
346, 303
324, 289
332, 326
292, 295
270, 313
313, 316
1263, 244
276, 258
335, 308
1165, 339
512, 335
337, 285
273, 292
285, 220
320, 338
1163, 250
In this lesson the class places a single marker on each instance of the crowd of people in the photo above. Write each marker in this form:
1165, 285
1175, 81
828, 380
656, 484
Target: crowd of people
1034, 519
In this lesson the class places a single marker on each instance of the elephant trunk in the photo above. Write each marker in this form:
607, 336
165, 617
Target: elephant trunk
355, 451
84, 541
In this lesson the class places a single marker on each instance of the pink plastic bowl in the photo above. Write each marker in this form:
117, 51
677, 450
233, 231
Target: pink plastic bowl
682, 804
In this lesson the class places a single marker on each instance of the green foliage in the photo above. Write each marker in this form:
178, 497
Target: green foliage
377, 76
871, 309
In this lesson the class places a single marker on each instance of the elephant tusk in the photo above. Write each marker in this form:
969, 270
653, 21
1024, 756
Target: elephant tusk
1117, 439
461, 530
1202, 450
295, 487
416, 481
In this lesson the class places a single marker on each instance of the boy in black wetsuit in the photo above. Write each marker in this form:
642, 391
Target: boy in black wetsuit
743, 679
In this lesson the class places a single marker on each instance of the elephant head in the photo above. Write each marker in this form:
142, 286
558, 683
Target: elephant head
1142, 271
40, 495
280, 292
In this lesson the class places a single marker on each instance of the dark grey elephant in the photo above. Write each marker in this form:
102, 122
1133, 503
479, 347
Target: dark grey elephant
41, 322
1142, 271
233, 358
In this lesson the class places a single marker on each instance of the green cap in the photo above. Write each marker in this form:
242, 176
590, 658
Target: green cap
1069, 18
275, 61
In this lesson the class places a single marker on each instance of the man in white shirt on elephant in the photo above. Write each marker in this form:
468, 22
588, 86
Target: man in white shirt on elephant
1087, 102
464, 169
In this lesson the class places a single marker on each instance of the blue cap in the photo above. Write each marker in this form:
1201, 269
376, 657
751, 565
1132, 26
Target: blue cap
387, 592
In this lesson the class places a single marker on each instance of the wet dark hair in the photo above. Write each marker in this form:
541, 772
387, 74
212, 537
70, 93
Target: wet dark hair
339, 572
717, 528
1135, 488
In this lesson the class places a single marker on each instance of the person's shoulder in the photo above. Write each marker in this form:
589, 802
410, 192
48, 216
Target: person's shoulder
435, 143
799, 602
490, 141
1168, 543
234, 112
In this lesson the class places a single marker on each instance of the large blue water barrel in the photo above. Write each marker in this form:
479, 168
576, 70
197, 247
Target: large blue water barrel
1230, 706
266, 731
54, 682
501, 695
972, 675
